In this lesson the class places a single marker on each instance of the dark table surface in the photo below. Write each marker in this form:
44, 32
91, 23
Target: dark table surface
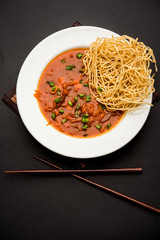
53, 207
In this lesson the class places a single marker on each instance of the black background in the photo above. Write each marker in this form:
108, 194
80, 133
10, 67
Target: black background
53, 207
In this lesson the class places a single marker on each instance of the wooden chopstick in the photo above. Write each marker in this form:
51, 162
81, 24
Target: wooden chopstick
66, 171
137, 202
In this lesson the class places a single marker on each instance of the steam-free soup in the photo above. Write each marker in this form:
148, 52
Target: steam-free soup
65, 99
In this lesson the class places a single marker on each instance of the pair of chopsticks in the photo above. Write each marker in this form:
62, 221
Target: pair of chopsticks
72, 172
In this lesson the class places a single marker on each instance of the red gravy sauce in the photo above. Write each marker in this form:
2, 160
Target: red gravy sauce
66, 102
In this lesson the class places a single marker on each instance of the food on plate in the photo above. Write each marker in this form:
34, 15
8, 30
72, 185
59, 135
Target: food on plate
65, 99
86, 92
119, 73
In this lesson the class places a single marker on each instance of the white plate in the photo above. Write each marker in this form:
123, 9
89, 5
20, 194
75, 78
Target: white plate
39, 57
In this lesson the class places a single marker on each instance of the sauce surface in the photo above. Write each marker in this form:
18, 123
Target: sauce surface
66, 102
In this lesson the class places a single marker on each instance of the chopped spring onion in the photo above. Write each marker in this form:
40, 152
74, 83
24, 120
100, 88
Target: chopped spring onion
85, 115
78, 106
85, 126
69, 67
76, 113
81, 70
61, 111
79, 55
63, 60
70, 103
88, 98
57, 100
64, 120
51, 84
85, 120
76, 98
99, 89
53, 116
81, 95
98, 126
81, 80
53, 89
58, 91
85, 85
109, 125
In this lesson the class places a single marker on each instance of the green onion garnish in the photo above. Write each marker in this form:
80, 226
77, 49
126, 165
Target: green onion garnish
63, 60
109, 125
61, 111
81, 95
99, 89
85, 126
58, 91
72, 66
98, 126
76, 113
70, 103
53, 116
85, 85
81, 80
78, 106
84, 120
88, 98
57, 100
53, 89
85, 115
64, 120
51, 84
76, 98
81, 70
69, 67
79, 55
